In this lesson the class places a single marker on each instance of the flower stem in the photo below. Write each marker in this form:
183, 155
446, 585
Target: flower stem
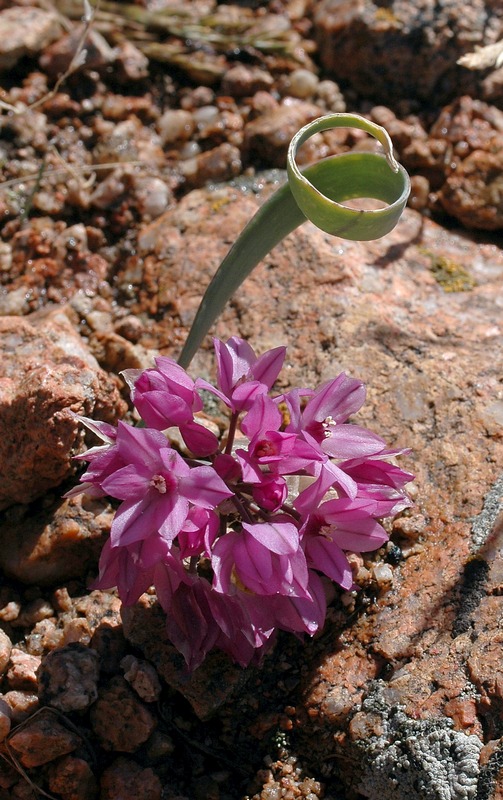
232, 433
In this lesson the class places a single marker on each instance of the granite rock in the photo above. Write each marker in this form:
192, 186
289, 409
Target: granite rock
42, 739
124, 779
5, 651
47, 374
55, 543
457, 162
120, 721
68, 678
267, 137
402, 50
72, 778
416, 315
25, 31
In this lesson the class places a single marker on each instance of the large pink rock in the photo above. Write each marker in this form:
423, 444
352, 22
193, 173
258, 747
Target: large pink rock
46, 373
402, 696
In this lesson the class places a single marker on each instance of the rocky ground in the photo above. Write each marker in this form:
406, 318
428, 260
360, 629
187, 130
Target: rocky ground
134, 146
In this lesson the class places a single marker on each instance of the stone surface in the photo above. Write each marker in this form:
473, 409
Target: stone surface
142, 677
267, 137
68, 678
73, 779
47, 375
401, 50
120, 721
458, 161
22, 671
25, 31
474, 193
403, 757
5, 651
5, 719
42, 739
49, 261
55, 543
127, 780
22, 703
57, 58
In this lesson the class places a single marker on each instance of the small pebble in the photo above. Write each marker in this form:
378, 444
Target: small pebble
21, 703
5, 651
175, 125
303, 84
5, 719
22, 672
143, 678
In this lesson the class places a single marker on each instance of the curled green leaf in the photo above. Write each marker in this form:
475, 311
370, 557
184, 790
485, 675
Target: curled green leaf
317, 193
321, 196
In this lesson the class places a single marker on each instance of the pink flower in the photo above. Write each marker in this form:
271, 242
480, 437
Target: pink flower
339, 525
240, 541
130, 568
270, 493
198, 618
241, 375
301, 614
190, 623
199, 532
166, 397
324, 419
157, 487
264, 558
280, 452
104, 459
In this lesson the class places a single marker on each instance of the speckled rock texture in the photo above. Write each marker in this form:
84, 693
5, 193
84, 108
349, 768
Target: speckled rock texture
42, 739
120, 721
72, 778
456, 168
46, 374
404, 50
25, 31
126, 778
68, 678
55, 543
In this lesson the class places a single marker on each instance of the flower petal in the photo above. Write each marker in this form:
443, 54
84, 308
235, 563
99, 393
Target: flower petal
268, 366
203, 487
338, 399
326, 556
351, 441
278, 537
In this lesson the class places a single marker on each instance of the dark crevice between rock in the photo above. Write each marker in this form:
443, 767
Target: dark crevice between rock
488, 775
472, 590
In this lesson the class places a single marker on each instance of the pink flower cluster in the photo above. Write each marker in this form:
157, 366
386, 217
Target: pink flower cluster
238, 538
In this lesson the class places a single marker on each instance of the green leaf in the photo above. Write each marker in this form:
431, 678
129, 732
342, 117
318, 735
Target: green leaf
318, 194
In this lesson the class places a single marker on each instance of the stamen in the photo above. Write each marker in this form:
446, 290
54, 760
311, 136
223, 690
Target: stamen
327, 425
159, 482
327, 532
265, 448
